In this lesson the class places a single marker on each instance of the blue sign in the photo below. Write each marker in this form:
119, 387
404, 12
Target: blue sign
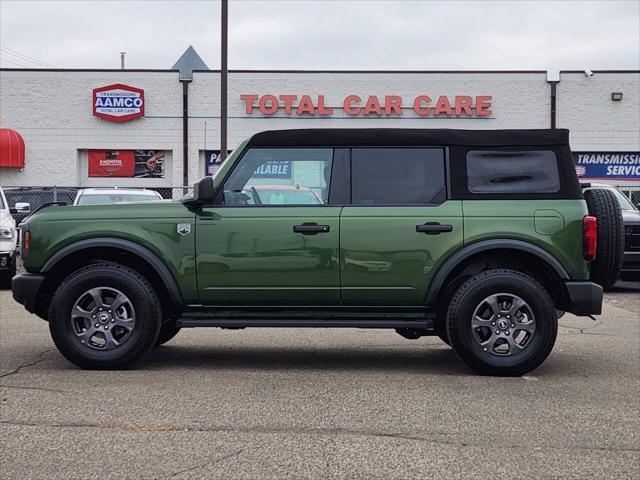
607, 165
212, 162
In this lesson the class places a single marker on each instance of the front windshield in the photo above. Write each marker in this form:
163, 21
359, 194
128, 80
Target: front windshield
110, 198
625, 203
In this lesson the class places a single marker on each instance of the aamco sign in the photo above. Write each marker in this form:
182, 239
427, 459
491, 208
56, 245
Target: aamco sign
478, 106
118, 102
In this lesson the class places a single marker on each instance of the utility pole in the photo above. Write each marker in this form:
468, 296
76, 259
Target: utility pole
122, 54
223, 79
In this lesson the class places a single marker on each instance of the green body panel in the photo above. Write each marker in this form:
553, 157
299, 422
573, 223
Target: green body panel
150, 224
384, 261
372, 255
554, 225
251, 256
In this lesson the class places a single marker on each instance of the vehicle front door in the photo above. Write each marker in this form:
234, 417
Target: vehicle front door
399, 226
272, 237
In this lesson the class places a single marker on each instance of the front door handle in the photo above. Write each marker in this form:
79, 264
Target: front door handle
310, 228
433, 228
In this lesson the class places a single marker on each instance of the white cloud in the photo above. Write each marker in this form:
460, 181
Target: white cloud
413, 35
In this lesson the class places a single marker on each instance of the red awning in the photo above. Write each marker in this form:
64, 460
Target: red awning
11, 149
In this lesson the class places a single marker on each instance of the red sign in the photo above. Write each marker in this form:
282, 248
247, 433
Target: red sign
354, 105
127, 163
118, 102
111, 163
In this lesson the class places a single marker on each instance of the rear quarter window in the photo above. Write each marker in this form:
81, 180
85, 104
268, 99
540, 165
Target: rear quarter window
512, 172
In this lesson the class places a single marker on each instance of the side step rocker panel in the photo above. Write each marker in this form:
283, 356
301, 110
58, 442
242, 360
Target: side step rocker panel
310, 319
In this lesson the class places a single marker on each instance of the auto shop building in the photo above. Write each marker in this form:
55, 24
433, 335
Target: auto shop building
161, 128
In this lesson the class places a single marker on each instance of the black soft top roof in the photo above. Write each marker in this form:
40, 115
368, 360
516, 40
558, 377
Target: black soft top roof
359, 137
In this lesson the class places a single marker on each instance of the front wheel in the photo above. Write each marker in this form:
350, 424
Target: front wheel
502, 322
104, 316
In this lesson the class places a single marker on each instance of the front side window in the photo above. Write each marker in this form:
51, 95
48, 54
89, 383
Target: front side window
280, 176
512, 172
397, 176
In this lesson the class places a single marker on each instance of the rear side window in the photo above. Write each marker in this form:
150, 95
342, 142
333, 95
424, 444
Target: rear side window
397, 176
512, 172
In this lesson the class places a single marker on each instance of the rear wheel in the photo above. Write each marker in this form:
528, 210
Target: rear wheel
104, 316
605, 269
502, 322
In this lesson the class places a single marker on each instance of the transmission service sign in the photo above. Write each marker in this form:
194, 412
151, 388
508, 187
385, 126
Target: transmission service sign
118, 103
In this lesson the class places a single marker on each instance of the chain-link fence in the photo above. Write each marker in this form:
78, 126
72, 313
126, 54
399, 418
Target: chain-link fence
37, 196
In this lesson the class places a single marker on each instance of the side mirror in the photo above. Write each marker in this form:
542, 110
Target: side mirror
20, 207
204, 191
23, 207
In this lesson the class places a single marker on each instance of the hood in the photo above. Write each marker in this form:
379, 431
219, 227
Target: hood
630, 217
6, 220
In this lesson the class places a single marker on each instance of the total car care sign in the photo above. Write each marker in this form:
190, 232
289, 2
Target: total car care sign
118, 103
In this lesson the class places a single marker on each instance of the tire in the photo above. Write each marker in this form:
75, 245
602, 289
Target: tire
535, 325
443, 336
168, 330
121, 337
605, 269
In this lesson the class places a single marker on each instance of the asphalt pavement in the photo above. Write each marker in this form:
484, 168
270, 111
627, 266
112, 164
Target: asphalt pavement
323, 403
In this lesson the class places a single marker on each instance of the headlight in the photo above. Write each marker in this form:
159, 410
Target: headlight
6, 233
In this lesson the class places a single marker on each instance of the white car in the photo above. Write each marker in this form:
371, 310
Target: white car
108, 196
8, 240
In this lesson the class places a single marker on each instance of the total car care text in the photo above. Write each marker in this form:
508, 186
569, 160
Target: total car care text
355, 105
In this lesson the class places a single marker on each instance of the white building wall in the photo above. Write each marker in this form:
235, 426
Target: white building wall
596, 122
520, 100
52, 110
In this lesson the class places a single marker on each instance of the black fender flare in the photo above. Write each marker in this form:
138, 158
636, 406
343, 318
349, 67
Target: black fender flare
144, 253
482, 246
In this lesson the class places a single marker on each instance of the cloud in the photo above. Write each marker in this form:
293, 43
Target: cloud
412, 35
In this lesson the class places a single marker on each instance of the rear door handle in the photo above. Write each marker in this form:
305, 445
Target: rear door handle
433, 228
310, 228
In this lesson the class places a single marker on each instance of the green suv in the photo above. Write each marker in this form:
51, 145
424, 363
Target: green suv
478, 237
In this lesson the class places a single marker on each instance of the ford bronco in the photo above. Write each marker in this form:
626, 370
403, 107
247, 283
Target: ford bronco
478, 237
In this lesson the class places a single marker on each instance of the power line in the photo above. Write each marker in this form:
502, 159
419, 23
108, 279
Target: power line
13, 63
25, 57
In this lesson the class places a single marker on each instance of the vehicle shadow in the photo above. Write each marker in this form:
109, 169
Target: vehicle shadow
439, 361
624, 287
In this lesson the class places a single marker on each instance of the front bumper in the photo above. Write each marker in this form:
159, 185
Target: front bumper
25, 288
585, 298
6, 260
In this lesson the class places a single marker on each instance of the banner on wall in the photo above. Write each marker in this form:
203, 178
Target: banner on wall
212, 162
607, 165
127, 163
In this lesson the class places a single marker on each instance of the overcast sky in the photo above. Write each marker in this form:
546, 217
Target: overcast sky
412, 35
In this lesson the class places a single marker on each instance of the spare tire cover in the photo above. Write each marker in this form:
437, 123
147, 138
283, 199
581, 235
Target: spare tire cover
603, 205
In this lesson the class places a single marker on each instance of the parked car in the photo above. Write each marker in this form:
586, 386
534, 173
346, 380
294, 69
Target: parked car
281, 195
106, 196
478, 237
630, 269
8, 240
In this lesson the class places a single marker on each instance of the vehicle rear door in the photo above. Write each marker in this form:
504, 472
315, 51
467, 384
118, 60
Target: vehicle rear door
272, 237
399, 226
